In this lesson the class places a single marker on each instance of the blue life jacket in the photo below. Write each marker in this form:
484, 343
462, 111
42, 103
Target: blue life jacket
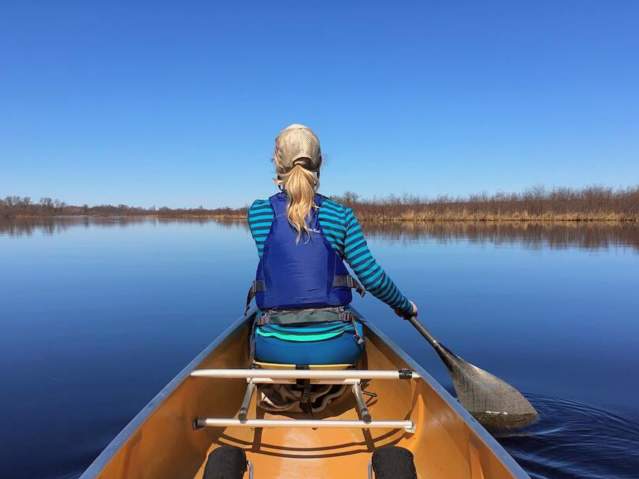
304, 273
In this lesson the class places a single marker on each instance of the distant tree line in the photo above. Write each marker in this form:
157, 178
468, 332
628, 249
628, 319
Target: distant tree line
16, 206
594, 203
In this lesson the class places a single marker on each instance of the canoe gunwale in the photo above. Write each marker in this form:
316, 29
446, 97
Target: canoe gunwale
113, 447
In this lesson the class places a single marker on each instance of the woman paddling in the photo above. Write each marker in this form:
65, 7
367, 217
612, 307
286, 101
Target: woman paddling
302, 285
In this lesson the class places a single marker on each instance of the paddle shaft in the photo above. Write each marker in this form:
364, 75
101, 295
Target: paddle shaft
441, 351
424, 332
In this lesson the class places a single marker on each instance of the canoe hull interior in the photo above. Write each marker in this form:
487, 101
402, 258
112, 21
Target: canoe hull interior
161, 442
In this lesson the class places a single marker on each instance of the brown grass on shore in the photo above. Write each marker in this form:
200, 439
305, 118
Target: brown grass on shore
537, 204
421, 215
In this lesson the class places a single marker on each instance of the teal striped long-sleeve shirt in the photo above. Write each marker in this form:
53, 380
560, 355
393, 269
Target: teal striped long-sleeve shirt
344, 233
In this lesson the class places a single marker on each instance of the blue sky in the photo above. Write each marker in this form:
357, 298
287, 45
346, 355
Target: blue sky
178, 103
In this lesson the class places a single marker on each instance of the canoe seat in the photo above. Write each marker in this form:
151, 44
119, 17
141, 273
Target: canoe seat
316, 367
328, 343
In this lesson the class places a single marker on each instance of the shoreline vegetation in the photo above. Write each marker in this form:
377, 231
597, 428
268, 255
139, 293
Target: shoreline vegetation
534, 205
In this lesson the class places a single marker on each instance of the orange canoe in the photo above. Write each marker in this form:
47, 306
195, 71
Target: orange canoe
402, 405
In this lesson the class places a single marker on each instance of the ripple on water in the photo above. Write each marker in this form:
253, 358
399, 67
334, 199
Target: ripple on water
574, 440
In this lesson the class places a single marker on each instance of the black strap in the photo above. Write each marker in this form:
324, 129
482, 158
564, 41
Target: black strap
405, 373
305, 396
256, 287
359, 339
305, 401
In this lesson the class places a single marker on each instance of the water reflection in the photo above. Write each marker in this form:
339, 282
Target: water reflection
530, 235
55, 225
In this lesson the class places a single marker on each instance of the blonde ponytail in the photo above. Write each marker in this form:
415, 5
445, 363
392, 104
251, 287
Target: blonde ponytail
300, 185
297, 159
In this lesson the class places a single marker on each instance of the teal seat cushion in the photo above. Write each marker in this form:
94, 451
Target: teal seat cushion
334, 342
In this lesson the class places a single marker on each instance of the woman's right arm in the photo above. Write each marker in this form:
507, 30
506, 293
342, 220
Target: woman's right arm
369, 272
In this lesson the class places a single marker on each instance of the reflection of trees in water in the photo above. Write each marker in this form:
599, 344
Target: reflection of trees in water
588, 235
533, 235
47, 226
232, 223
59, 224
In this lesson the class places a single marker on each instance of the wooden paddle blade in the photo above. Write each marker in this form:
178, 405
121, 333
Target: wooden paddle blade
493, 402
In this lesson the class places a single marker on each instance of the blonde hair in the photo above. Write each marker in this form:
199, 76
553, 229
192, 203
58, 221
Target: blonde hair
297, 159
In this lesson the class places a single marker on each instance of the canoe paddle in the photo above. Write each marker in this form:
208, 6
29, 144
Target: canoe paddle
493, 402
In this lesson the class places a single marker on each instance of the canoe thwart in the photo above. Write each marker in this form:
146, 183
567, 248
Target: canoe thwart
305, 374
201, 422
366, 421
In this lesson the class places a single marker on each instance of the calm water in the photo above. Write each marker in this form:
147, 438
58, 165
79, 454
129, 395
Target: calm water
97, 316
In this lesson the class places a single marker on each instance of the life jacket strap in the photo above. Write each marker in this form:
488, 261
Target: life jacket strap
292, 317
350, 282
339, 281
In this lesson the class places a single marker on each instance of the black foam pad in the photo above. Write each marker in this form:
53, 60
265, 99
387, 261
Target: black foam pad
392, 462
226, 462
